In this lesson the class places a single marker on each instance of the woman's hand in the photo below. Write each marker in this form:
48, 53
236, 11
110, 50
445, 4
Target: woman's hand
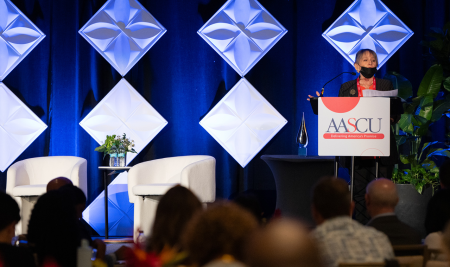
310, 96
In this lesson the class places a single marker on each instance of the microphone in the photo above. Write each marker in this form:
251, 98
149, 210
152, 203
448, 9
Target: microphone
323, 87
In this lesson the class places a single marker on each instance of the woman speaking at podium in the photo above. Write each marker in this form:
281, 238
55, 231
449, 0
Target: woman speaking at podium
366, 64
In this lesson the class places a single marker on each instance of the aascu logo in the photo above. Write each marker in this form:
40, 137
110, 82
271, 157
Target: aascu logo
361, 125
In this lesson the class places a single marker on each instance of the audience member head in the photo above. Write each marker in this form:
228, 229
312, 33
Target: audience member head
174, 210
249, 202
381, 197
9, 217
284, 243
444, 174
53, 229
222, 229
330, 198
77, 196
57, 183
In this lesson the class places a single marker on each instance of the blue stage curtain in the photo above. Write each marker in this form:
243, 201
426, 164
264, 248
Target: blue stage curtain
182, 77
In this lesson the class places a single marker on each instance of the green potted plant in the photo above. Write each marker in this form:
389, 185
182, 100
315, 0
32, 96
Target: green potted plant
419, 114
416, 182
116, 147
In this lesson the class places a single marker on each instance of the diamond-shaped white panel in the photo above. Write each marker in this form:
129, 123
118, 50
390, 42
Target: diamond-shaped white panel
122, 31
243, 122
19, 127
124, 110
368, 24
120, 210
242, 32
18, 36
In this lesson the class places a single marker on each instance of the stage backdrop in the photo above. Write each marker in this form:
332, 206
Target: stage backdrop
183, 78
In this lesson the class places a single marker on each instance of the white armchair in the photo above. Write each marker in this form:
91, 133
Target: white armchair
148, 181
26, 180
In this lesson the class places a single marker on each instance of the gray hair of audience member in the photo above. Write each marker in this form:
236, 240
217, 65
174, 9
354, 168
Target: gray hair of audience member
9, 216
382, 193
331, 197
284, 243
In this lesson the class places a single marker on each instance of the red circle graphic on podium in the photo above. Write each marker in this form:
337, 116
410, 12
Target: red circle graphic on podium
340, 104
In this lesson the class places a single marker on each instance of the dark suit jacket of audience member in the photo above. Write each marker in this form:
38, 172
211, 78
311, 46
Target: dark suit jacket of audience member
350, 89
398, 232
438, 211
13, 256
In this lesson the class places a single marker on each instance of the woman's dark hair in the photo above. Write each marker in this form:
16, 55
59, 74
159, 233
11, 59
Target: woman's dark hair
52, 229
9, 210
174, 211
222, 229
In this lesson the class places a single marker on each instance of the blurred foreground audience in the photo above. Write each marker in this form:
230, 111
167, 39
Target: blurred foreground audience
226, 234
11, 256
284, 243
53, 229
381, 199
79, 200
175, 210
57, 183
249, 202
218, 235
341, 239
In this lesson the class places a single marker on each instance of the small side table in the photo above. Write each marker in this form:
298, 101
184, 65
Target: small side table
105, 182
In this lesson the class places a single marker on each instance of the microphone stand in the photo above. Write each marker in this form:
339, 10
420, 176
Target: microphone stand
323, 87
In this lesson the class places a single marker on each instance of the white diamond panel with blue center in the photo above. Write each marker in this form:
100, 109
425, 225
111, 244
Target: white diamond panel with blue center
19, 127
242, 32
243, 122
122, 31
368, 24
120, 210
122, 110
18, 36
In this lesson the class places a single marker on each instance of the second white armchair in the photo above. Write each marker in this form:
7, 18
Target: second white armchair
148, 181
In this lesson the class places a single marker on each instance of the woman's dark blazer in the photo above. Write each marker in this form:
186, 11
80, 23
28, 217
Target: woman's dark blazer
350, 89
381, 85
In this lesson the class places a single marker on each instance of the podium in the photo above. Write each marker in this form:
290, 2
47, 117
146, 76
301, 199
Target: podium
355, 127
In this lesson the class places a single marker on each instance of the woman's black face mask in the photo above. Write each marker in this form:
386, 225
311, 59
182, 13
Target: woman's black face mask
368, 72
